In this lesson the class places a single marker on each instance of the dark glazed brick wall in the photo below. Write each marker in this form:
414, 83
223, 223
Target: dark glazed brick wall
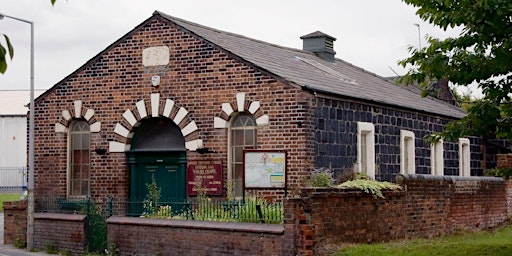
336, 136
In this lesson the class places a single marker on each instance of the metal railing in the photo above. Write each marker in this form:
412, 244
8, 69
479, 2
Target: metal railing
13, 178
249, 210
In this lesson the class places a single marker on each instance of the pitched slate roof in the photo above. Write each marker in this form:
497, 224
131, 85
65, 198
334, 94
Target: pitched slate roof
315, 74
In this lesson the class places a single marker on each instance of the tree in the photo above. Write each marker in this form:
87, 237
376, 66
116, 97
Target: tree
7, 51
4, 52
481, 54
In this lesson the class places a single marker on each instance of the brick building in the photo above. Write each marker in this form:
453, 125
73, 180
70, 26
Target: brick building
181, 102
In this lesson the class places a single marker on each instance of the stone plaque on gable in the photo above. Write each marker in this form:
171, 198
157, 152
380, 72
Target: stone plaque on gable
155, 56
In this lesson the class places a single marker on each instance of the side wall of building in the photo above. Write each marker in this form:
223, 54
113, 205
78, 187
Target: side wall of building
336, 137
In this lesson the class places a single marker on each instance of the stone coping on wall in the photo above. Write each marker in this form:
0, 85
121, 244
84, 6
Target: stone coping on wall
15, 205
193, 224
403, 177
343, 192
60, 217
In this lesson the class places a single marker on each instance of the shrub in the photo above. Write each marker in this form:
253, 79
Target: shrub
364, 183
150, 204
322, 177
499, 172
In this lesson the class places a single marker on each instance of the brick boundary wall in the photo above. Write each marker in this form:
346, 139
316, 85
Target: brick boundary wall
314, 223
428, 206
505, 161
145, 236
64, 231
15, 221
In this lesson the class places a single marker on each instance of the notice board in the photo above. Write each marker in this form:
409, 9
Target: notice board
209, 173
264, 169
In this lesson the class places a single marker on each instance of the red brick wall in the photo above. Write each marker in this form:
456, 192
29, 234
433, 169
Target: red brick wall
321, 218
199, 77
65, 232
15, 221
505, 161
428, 206
143, 236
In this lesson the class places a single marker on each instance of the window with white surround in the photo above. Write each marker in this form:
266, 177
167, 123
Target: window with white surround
407, 152
242, 136
464, 157
366, 149
79, 158
437, 158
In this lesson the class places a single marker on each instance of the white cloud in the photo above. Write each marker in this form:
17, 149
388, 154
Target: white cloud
371, 34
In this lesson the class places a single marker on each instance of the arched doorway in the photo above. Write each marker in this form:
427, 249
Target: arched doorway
157, 150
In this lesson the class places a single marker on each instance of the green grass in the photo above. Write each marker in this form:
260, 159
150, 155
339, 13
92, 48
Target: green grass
8, 197
496, 243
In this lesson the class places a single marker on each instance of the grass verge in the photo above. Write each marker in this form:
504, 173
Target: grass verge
7, 197
497, 242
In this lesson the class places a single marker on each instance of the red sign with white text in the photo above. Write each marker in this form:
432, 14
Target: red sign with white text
209, 173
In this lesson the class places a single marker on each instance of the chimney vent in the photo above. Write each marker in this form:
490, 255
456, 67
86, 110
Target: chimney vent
320, 44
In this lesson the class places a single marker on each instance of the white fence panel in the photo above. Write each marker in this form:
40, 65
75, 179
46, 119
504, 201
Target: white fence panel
13, 178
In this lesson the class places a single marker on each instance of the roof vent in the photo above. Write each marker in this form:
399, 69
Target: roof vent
320, 44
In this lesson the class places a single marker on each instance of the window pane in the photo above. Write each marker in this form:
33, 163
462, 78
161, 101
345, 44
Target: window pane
85, 187
238, 188
238, 174
77, 157
237, 138
84, 157
364, 154
85, 172
238, 153
75, 187
75, 173
249, 137
85, 141
76, 141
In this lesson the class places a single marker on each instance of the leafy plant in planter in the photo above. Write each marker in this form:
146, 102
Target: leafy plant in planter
364, 183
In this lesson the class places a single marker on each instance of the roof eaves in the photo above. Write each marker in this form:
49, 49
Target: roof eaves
316, 91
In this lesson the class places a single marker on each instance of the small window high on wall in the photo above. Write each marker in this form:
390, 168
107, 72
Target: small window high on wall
407, 152
366, 149
437, 158
464, 157
79, 159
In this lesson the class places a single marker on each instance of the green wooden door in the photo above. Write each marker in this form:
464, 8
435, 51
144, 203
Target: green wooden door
169, 172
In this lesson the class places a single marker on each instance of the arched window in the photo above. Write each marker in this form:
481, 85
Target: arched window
80, 162
242, 136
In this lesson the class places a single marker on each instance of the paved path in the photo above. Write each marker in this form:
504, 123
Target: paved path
9, 249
